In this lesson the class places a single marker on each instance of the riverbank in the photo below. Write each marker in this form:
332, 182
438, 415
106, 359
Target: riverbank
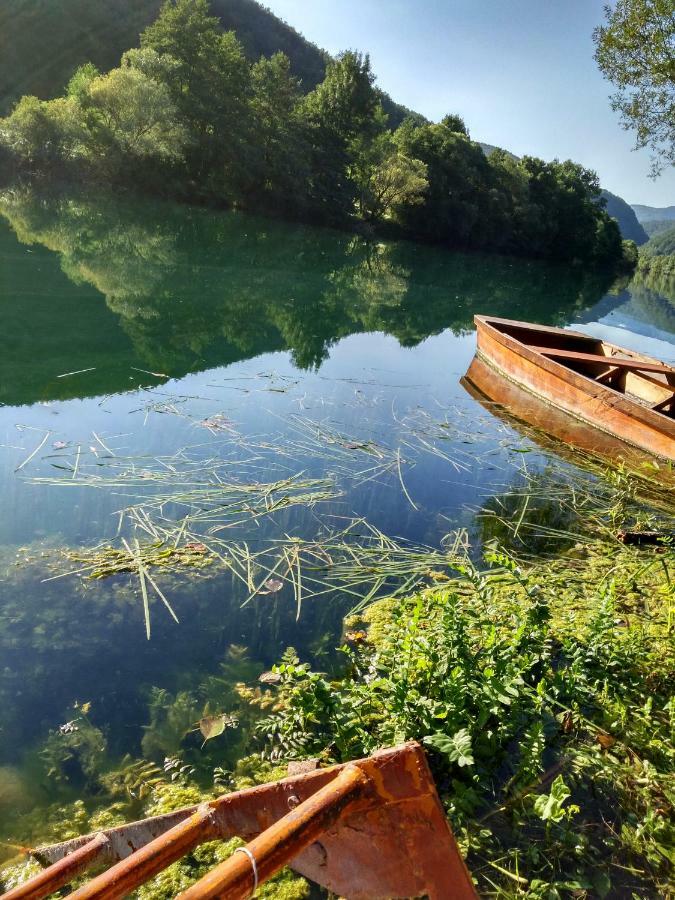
543, 693
541, 686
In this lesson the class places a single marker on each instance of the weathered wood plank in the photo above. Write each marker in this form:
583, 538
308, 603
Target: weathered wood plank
634, 364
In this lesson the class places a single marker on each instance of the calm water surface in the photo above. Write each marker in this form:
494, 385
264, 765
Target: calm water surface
138, 339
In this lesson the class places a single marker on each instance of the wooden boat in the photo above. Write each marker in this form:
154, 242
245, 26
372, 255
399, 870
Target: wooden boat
598, 396
366, 830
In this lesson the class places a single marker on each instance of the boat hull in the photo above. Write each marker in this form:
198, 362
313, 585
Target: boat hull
597, 407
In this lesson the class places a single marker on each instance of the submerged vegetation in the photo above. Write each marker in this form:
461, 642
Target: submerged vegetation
186, 115
538, 674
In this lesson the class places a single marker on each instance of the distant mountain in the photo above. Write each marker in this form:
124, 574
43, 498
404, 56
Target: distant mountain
631, 229
42, 42
653, 213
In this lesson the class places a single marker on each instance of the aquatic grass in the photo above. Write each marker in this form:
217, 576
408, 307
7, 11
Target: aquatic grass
34, 453
213, 493
136, 559
358, 562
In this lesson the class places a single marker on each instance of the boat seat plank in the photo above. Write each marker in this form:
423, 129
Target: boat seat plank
574, 356
612, 374
662, 406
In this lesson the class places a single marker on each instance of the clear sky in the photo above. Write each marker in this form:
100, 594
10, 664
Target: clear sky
520, 72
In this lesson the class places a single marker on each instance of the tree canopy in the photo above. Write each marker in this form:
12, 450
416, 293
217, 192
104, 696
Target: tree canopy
188, 115
635, 49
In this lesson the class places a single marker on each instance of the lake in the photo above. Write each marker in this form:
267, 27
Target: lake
291, 391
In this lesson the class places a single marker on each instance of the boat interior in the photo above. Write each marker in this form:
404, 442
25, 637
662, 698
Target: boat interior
650, 383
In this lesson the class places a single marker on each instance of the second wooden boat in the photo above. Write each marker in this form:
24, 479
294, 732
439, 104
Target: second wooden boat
625, 398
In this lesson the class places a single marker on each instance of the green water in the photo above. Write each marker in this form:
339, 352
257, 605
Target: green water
124, 328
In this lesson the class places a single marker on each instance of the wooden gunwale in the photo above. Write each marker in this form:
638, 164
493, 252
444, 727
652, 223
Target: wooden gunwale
592, 402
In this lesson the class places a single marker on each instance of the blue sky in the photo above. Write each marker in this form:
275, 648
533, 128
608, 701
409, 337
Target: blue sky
520, 72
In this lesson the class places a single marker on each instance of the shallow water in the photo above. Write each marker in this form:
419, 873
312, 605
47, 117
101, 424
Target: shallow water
130, 332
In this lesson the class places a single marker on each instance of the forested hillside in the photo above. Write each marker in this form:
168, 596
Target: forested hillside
654, 226
656, 264
187, 114
42, 42
661, 244
618, 209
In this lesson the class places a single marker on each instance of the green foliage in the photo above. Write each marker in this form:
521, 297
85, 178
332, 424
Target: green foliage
630, 254
635, 49
456, 207
80, 81
455, 123
457, 747
189, 115
130, 116
74, 752
661, 244
528, 686
387, 180
279, 165
40, 133
657, 272
551, 807
210, 84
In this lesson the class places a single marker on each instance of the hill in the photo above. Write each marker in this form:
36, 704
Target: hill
42, 42
654, 226
661, 244
653, 213
631, 230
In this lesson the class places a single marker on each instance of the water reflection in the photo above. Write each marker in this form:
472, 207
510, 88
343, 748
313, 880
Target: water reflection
188, 289
122, 289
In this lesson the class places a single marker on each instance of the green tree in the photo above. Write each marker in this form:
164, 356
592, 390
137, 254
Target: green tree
41, 132
455, 123
456, 207
345, 102
129, 116
80, 80
342, 114
635, 49
387, 179
279, 166
210, 85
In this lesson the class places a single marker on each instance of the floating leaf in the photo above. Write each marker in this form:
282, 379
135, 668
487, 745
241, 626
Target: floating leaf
212, 726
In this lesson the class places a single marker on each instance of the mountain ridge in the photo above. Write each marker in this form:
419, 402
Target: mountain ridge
630, 227
652, 213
